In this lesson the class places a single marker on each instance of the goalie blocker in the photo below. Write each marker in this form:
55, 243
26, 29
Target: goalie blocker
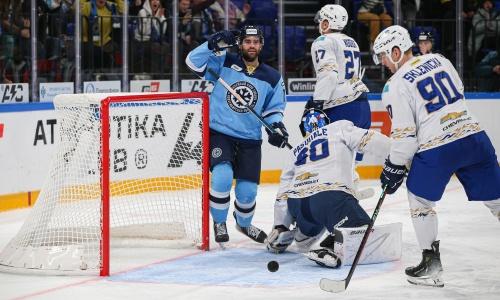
384, 244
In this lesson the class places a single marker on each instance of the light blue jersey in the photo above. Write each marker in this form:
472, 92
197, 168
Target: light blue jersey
263, 90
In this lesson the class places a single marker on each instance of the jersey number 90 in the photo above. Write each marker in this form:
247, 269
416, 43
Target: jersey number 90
439, 86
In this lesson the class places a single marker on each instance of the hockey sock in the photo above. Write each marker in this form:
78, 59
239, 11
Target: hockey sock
244, 205
220, 187
425, 220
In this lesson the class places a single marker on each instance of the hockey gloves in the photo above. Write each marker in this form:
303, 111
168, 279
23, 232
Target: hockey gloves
221, 40
279, 239
279, 137
392, 176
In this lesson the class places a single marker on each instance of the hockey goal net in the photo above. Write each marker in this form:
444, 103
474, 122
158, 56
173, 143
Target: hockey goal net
128, 169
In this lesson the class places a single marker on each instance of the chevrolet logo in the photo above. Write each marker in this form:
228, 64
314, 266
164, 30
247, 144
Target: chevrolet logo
306, 176
453, 116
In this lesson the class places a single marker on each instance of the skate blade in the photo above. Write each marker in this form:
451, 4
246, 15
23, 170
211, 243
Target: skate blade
223, 245
426, 281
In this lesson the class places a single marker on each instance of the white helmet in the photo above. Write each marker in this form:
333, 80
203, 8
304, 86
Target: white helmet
393, 36
336, 15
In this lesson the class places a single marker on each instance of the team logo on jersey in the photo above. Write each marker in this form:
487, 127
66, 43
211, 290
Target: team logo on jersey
216, 152
247, 92
306, 176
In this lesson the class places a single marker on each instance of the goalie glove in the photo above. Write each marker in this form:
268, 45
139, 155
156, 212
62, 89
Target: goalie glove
279, 239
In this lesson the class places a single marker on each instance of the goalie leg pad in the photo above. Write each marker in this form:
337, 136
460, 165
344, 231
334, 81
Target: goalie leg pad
303, 242
324, 257
383, 245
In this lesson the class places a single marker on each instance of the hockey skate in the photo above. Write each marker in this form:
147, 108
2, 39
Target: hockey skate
429, 271
220, 233
324, 257
252, 232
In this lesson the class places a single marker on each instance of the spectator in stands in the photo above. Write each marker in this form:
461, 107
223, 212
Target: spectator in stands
134, 7
152, 24
237, 16
488, 72
410, 9
425, 42
97, 27
150, 38
185, 26
17, 69
486, 29
203, 23
469, 9
374, 14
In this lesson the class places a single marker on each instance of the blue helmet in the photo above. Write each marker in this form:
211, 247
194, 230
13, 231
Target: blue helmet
313, 119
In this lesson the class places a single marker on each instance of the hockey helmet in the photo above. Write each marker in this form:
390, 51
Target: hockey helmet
313, 119
249, 30
336, 15
425, 36
393, 36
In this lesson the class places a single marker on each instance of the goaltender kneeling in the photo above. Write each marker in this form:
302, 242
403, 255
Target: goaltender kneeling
317, 193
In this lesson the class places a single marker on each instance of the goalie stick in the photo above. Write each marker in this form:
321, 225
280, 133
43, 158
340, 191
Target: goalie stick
244, 103
337, 286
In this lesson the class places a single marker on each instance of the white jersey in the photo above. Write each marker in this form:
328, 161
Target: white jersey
425, 99
323, 160
337, 62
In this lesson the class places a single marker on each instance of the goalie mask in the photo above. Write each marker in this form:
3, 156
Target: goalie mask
336, 15
312, 120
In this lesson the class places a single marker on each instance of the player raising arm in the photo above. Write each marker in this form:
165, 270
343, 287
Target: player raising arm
316, 188
434, 131
235, 133
339, 91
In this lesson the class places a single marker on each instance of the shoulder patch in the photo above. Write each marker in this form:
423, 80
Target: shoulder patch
320, 38
416, 61
386, 88
236, 68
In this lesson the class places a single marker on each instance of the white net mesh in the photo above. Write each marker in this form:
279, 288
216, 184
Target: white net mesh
155, 183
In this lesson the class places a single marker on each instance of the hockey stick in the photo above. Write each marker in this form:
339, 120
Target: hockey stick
244, 103
337, 286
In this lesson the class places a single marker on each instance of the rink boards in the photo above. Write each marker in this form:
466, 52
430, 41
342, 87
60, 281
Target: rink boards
28, 139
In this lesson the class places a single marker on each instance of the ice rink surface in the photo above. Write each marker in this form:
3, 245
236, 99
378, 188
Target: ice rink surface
470, 253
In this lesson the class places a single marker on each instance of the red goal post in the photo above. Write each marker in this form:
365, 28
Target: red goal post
106, 160
97, 192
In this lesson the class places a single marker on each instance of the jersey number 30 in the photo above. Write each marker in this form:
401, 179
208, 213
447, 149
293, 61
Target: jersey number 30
316, 151
440, 86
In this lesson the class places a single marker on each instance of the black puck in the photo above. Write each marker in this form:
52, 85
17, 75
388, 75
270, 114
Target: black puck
273, 266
